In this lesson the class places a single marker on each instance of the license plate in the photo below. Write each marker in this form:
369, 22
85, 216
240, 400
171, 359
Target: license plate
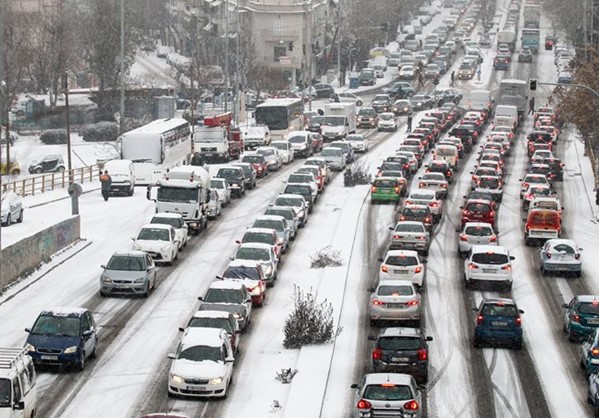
400, 271
196, 389
593, 321
385, 191
395, 305
499, 323
49, 357
400, 359
488, 271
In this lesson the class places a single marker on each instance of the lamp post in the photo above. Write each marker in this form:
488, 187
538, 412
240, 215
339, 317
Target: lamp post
226, 54
122, 77
68, 126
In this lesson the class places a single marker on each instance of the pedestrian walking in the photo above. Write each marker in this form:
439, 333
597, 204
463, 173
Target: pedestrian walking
106, 181
420, 79
409, 129
419, 43
336, 98
531, 106
452, 79
197, 159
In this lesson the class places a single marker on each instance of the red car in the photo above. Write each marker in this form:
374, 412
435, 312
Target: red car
258, 163
317, 142
478, 210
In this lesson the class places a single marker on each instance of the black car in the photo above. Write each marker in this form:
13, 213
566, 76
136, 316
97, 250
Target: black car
323, 91
401, 350
400, 90
467, 133
249, 174
421, 102
315, 124
450, 95
235, 179
556, 168
405, 164
381, 103
441, 166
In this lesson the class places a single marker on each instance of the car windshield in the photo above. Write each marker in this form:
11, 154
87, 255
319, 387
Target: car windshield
256, 159
242, 273
154, 234
401, 260
219, 323
287, 214
589, 308
261, 237
289, 201
330, 152
177, 194
298, 189
487, 183
250, 253
409, 228
478, 231
58, 325
297, 139
174, 222
388, 392
399, 343
299, 178
223, 296
499, 310
5, 393
540, 191
200, 353
388, 290
266, 152
126, 263
217, 184
414, 212
490, 257
228, 173
279, 145
387, 116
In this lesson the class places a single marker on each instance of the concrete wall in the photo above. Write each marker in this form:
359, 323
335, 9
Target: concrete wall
25, 255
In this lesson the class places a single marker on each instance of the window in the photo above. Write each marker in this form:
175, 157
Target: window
16, 390
279, 51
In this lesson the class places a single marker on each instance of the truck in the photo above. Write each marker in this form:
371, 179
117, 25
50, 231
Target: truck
507, 36
184, 190
481, 100
531, 38
513, 92
17, 383
504, 113
339, 121
532, 15
216, 140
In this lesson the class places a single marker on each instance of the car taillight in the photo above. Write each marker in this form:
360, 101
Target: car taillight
518, 321
408, 202
402, 218
397, 236
363, 404
492, 213
595, 352
508, 267
548, 255
479, 319
427, 219
377, 354
412, 303
465, 212
422, 354
421, 185
411, 406
444, 186
418, 269
463, 237
384, 269
373, 189
577, 256
433, 204
377, 302
529, 196
493, 238
574, 318
472, 266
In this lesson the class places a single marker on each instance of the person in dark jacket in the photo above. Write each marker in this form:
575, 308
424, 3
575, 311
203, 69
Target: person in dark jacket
409, 129
106, 181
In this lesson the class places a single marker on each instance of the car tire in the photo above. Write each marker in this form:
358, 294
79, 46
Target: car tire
60, 170
93, 353
543, 271
38, 170
476, 342
102, 294
146, 294
373, 322
517, 345
80, 366
20, 218
359, 103
468, 283
571, 336
8, 221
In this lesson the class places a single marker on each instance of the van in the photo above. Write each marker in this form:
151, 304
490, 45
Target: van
122, 175
18, 393
447, 153
481, 100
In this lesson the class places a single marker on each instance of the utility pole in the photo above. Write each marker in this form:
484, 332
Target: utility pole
122, 78
310, 53
584, 30
236, 109
226, 54
68, 126
1, 101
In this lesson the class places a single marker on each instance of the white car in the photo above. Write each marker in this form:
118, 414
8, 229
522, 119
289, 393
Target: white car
322, 164
176, 221
12, 208
304, 177
387, 122
402, 265
347, 97
488, 263
434, 181
224, 193
159, 241
202, 366
285, 149
397, 394
358, 142
427, 197
407, 72
272, 156
475, 233
264, 253
214, 205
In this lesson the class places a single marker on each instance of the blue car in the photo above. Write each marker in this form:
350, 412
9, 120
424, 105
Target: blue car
62, 337
581, 317
498, 321
589, 353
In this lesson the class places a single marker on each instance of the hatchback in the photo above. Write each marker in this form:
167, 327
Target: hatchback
402, 265
279, 225
63, 336
11, 207
298, 203
410, 235
263, 253
498, 321
581, 316
387, 122
128, 273
218, 320
387, 394
395, 300
488, 263
491, 185
417, 213
478, 210
589, 353
431, 198
228, 296
561, 255
176, 221
385, 189
475, 233
434, 181
158, 240
251, 275
257, 161
401, 350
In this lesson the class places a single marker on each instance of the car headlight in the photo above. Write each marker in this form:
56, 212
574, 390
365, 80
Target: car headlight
237, 315
177, 379
216, 381
135, 246
106, 279
165, 247
140, 280
30, 348
300, 214
268, 270
70, 350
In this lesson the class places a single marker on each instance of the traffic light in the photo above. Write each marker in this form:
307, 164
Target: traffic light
532, 84
290, 46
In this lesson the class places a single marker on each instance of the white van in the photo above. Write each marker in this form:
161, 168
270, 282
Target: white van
447, 153
122, 175
408, 30
18, 393
480, 100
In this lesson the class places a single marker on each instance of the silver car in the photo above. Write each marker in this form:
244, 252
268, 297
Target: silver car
475, 233
263, 253
298, 203
273, 158
12, 208
394, 394
224, 193
128, 273
395, 300
290, 214
561, 255
279, 224
410, 235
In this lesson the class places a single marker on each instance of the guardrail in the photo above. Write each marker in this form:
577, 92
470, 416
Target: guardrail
32, 185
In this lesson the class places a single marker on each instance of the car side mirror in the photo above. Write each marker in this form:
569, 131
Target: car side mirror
524, 219
132, 238
462, 207
181, 329
520, 311
429, 338
371, 289
102, 266
219, 277
512, 257
171, 356
519, 179
354, 386
229, 359
391, 228
19, 406
201, 298
237, 241
380, 259
27, 329
565, 305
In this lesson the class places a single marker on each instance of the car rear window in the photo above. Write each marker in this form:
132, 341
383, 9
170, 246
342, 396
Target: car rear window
478, 231
490, 258
489, 183
409, 228
389, 290
499, 310
401, 260
478, 207
385, 183
388, 392
545, 217
269, 224
589, 308
399, 343
564, 248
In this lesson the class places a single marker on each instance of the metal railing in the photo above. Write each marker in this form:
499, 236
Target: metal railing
32, 185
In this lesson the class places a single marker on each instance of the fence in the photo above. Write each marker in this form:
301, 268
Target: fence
32, 185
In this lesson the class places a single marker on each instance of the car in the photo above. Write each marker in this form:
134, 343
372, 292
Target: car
258, 162
317, 141
358, 142
532, 179
561, 255
502, 62
202, 365
402, 265
176, 221
298, 203
410, 235
128, 273
307, 176
381, 103
224, 193
367, 118
418, 213
387, 122
302, 189
11, 208
385, 189
52, 163
367, 77
565, 77
235, 178
447, 95
264, 236
62, 336
488, 264
290, 215
431, 198
323, 90
479, 210
581, 317
434, 181
346, 97
407, 72
421, 102
400, 90
347, 149
395, 300
285, 150
251, 275
401, 350
525, 55
249, 174
314, 124
301, 143
311, 174
263, 253
442, 167
229, 296
533, 191
274, 159
589, 353
475, 233
432, 71
465, 71
491, 185
389, 393
281, 228
216, 320
402, 107
158, 240
498, 321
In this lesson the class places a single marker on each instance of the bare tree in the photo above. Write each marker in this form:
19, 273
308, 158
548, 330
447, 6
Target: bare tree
264, 78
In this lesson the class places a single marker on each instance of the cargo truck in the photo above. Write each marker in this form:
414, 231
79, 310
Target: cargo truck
532, 15
513, 92
339, 121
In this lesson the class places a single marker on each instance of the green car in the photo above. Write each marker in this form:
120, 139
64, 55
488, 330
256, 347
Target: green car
385, 189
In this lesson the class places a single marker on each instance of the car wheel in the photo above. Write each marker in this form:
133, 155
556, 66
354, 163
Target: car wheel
102, 294
359, 103
543, 271
20, 219
476, 343
518, 345
571, 336
38, 170
81, 363
8, 221
468, 283
146, 293
93, 353
60, 170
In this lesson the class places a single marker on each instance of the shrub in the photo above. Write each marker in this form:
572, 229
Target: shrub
100, 132
54, 136
325, 257
310, 322
356, 173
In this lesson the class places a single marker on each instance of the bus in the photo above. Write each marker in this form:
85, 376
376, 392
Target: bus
281, 116
155, 148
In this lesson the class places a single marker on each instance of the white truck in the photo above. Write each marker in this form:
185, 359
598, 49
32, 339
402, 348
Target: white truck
184, 190
481, 100
255, 136
507, 36
339, 121
216, 140
18, 390
506, 115
513, 92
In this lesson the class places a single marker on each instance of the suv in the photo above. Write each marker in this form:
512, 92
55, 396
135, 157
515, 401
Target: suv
498, 321
401, 350
400, 90
367, 118
63, 336
129, 273
18, 392
301, 143
323, 91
